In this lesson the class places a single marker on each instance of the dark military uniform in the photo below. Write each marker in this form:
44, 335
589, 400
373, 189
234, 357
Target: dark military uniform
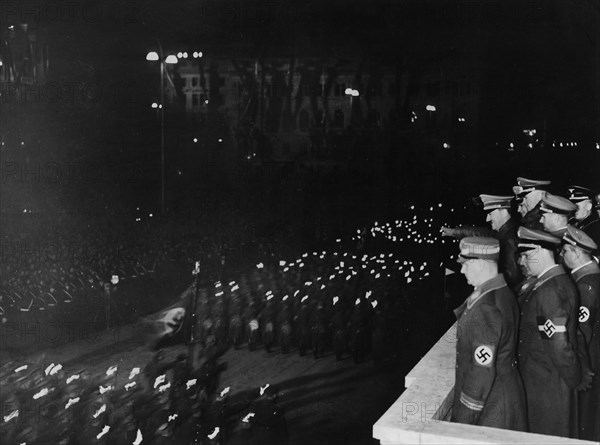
302, 328
548, 353
525, 288
339, 328
488, 390
507, 264
269, 426
359, 335
587, 280
284, 321
591, 226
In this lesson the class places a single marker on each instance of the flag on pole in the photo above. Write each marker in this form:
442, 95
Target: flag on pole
170, 325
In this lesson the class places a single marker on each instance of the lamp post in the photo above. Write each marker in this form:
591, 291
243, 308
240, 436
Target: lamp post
352, 93
193, 344
114, 280
152, 56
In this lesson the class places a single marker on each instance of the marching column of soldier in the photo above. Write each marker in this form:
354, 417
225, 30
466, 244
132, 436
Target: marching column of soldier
171, 402
528, 337
347, 319
163, 403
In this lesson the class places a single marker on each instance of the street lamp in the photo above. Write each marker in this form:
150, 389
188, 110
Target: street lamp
153, 56
352, 93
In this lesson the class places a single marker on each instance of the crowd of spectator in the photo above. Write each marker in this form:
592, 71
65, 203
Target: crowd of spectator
344, 298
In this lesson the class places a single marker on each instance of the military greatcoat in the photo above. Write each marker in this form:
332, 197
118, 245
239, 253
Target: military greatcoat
587, 280
591, 227
548, 357
488, 390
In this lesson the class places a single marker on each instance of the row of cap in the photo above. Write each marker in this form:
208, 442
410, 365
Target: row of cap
489, 249
551, 203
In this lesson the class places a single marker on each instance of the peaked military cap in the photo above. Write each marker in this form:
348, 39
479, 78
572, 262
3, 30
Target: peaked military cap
478, 248
524, 186
532, 239
579, 238
493, 202
578, 193
557, 204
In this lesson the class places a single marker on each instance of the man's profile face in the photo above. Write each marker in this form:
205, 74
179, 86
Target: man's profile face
471, 269
528, 262
522, 208
552, 221
584, 209
570, 255
495, 219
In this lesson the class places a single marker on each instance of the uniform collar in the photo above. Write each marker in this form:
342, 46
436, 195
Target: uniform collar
549, 273
585, 269
590, 219
547, 270
492, 284
509, 225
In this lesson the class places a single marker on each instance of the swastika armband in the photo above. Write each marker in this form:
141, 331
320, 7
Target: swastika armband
584, 314
549, 328
484, 355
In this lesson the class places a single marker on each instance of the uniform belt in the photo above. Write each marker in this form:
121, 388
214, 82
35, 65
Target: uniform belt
505, 369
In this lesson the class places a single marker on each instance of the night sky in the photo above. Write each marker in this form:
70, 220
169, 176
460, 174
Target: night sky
539, 58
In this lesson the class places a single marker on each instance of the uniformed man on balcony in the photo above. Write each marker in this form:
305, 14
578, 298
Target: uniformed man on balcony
548, 358
503, 227
577, 252
488, 390
529, 194
585, 218
556, 212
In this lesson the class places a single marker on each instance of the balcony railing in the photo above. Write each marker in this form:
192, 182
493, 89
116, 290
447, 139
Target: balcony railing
421, 414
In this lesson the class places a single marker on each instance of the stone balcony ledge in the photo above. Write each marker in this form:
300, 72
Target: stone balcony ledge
420, 415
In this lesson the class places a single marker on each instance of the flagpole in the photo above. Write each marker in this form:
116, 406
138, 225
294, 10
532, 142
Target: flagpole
444, 294
194, 304
447, 272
